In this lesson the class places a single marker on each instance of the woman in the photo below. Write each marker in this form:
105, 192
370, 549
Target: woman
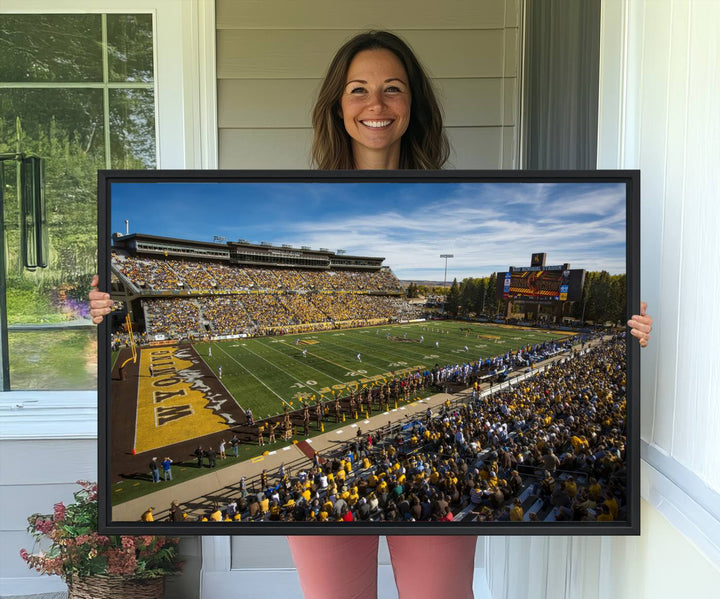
377, 110
363, 119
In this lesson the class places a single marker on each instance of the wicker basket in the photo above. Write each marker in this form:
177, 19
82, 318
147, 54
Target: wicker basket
116, 587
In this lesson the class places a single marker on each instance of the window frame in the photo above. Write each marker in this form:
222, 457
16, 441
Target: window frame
186, 137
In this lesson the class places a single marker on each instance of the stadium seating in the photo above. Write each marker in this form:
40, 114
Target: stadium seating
413, 468
183, 298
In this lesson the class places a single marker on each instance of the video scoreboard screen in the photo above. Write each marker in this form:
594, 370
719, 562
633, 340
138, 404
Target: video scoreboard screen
541, 283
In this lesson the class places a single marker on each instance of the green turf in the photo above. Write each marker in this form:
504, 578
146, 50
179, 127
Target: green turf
261, 373
267, 373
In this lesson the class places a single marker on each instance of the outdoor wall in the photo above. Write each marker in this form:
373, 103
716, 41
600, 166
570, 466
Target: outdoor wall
270, 62
272, 56
39, 469
659, 84
658, 112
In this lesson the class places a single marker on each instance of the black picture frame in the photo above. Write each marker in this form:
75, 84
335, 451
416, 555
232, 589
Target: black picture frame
108, 406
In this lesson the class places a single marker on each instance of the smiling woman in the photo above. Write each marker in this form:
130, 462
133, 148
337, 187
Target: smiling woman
375, 108
371, 84
422, 146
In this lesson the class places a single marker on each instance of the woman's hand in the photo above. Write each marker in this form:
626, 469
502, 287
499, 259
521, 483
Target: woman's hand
641, 325
100, 302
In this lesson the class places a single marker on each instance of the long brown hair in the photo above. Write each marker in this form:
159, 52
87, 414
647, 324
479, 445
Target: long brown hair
424, 144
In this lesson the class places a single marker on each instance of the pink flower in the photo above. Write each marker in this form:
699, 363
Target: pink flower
147, 544
121, 562
43, 526
53, 565
59, 512
72, 554
89, 488
128, 542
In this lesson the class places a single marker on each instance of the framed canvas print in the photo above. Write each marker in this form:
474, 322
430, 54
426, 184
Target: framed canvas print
369, 352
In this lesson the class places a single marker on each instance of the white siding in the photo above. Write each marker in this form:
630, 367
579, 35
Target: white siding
669, 125
35, 475
660, 80
271, 59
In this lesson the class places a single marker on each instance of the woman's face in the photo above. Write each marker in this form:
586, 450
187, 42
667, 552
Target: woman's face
375, 107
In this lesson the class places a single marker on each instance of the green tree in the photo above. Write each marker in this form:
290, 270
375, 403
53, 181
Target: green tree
603, 298
468, 292
617, 300
452, 301
491, 301
480, 291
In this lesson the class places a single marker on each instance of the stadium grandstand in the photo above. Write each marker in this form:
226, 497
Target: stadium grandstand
177, 289
547, 446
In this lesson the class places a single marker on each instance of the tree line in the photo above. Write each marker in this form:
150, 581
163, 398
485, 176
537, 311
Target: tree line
603, 297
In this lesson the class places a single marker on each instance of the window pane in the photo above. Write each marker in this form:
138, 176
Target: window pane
53, 359
132, 128
50, 118
130, 47
65, 128
51, 342
50, 48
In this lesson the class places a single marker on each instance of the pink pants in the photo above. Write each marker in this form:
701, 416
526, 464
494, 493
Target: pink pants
429, 567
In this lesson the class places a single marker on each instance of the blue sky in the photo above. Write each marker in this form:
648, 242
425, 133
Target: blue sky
486, 226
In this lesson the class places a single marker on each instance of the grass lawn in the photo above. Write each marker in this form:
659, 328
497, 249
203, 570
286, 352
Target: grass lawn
267, 373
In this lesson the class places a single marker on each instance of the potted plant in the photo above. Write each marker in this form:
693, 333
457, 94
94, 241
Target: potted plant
93, 565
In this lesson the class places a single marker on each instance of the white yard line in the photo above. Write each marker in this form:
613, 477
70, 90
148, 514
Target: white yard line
283, 371
250, 373
312, 367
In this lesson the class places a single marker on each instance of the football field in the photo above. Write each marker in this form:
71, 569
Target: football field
266, 374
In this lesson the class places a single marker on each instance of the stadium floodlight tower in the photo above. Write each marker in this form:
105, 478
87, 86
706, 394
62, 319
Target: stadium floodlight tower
446, 256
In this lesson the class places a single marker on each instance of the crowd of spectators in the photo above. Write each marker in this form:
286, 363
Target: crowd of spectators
218, 299
175, 318
266, 313
148, 273
120, 338
168, 274
267, 310
225, 314
549, 448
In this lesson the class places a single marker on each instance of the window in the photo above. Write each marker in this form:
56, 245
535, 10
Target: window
77, 90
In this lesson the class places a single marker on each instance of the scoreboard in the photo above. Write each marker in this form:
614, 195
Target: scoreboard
541, 283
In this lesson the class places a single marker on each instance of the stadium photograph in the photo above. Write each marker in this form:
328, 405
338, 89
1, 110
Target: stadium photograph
366, 353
